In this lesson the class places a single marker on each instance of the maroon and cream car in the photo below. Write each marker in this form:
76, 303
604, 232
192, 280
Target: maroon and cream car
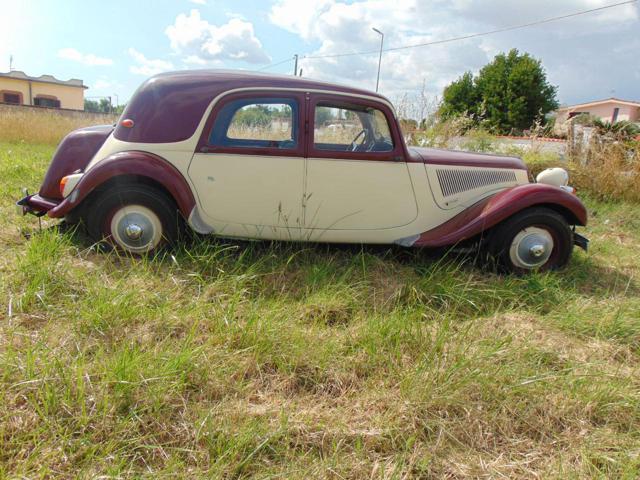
256, 156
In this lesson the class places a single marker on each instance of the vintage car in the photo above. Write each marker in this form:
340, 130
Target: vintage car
256, 156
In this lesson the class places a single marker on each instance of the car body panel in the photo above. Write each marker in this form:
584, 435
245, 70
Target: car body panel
437, 156
73, 154
457, 185
358, 195
496, 208
249, 189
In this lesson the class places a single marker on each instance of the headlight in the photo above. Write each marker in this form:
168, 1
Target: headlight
553, 176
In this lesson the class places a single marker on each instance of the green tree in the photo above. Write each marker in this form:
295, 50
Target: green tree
508, 94
103, 106
460, 97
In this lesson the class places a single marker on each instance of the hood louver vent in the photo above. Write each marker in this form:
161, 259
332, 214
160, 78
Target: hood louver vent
456, 181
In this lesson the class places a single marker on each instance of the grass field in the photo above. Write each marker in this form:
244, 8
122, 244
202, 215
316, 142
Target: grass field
236, 360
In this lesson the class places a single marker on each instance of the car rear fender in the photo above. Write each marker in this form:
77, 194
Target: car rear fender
73, 155
497, 208
130, 164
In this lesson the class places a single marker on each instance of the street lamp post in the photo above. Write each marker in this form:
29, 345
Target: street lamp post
380, 57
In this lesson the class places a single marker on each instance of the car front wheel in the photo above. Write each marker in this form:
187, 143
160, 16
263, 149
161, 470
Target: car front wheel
135, 219
534, 239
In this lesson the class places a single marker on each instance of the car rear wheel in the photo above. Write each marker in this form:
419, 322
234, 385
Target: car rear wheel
135, 219
534, 239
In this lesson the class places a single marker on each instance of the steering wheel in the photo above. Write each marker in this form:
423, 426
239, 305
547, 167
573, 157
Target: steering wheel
354, 142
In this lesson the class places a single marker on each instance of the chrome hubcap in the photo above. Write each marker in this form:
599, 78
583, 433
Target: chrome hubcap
531, 248
133, 231
537, 251
136, 228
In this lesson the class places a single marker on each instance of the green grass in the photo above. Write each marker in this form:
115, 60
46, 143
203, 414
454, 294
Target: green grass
233, 359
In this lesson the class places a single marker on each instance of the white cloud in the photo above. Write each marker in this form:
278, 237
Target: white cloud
195, 60
234, 40
199, 2
146, 66
575, 51
84, 58
101, 84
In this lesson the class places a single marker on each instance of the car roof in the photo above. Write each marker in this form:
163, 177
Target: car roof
231, 79
169, 106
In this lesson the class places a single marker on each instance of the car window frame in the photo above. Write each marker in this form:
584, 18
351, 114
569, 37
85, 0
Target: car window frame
396, 154
204, 146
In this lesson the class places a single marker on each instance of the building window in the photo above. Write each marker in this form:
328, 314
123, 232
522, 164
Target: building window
12, 97
46, 101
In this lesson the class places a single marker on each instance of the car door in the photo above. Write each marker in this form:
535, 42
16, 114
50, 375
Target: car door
249, 166
355, 180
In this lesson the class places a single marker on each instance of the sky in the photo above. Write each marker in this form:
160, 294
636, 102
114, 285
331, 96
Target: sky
114, 45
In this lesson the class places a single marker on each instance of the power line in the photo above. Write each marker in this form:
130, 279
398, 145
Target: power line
474, 35
271, 65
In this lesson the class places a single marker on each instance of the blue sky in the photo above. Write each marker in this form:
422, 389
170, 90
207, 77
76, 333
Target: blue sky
114, 45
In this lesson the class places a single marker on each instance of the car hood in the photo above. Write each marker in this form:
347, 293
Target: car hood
437, 156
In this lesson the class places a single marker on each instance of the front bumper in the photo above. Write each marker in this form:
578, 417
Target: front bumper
35, 205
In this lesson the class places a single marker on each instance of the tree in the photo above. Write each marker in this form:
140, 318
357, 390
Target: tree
460, 97
103, 106
508, 94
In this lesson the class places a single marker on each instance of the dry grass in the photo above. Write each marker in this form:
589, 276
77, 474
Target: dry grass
43, 126
610, 171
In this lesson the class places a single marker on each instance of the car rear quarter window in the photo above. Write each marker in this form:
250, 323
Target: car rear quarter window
257, 123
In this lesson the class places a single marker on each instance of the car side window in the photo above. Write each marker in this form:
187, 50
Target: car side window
257, 123
345, 127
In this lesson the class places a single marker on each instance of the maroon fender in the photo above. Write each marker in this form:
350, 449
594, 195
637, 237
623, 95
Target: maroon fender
74, 153
493, 210
137, 163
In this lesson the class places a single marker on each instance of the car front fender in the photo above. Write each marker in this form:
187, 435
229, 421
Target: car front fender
130, 163
497, 208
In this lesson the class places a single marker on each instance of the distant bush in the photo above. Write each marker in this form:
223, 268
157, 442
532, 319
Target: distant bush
478, 140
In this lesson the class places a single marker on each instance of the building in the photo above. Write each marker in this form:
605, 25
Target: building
45, 91
610, 110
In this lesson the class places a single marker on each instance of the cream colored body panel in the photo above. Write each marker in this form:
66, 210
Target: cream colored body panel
358, 195
468, 197
251, 190
427, 216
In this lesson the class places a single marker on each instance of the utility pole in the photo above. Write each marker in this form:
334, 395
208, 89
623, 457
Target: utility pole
295, 66
380, 57
10, 63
